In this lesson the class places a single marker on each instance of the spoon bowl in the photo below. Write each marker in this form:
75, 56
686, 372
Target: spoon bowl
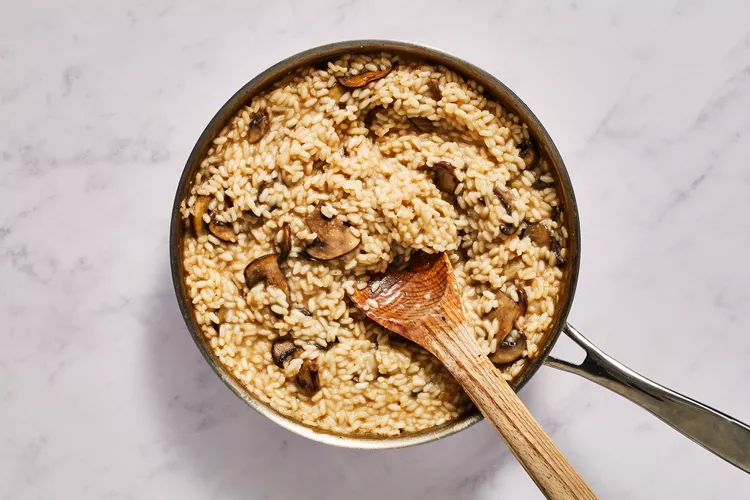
421, 303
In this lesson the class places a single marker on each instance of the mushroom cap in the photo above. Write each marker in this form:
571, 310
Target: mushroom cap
282, 350
506, 199
307, 378
444, 177
336, 92
434, 86
266, 268
199, 208
257, 127
334, 238
506, 314
285, 246
423, 124
509, 350
529, 153
223, 231
539, 234
357, 81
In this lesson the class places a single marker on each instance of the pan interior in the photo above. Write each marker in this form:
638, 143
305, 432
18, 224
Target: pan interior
494, 90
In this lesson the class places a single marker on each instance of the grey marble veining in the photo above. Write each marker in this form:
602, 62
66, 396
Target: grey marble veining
104, 395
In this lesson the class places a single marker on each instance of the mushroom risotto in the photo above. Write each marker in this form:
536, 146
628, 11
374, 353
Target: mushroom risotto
338, 171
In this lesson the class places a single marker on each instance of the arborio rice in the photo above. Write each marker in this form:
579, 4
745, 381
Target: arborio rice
413, 158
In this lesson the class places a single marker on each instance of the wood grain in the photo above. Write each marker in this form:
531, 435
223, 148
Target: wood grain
422, 304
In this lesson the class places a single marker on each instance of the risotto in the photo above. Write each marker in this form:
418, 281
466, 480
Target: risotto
335, 173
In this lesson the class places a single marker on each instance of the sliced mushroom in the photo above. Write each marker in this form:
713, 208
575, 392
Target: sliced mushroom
285, 246
444, 177
529, 153
307, 378
423, 124
357, 81
505, 201
257, 127
508, 229
336, 92
266, 269
334, 238
539, 234
506, 314
223, 231
283, 350
434, 87
523, 300
199, 208
509, 350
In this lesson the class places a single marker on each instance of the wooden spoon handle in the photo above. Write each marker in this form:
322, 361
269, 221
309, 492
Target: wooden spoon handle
482, 381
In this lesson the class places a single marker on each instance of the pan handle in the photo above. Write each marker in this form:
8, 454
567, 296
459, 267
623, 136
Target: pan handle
717, 432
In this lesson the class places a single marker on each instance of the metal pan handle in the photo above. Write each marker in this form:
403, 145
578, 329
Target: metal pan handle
717, 432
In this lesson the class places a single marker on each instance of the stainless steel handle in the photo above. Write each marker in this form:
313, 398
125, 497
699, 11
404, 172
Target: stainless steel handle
717, 432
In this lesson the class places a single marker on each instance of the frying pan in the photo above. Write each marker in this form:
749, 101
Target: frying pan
719, 433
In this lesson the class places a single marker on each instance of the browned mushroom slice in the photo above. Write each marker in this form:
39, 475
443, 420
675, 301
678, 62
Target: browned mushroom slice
307, 378
508, 229
334, 238
283, 350
257, 127
444, 177
223, 231
199, 208
509, 350
285, 246
539, 234
266, 269
523, 300
423, 124
505, 199
357, 81
434, 87
529, 153
336, 92
506, 314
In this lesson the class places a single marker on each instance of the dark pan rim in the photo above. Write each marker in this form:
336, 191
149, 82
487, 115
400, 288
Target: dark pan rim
498, 92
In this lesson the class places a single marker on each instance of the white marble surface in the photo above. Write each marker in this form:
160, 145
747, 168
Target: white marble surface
104, 395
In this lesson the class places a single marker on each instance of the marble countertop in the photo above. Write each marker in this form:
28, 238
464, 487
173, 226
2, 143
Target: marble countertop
102, 391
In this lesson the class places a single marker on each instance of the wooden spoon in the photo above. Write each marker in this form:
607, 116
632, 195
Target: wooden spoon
422, 304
